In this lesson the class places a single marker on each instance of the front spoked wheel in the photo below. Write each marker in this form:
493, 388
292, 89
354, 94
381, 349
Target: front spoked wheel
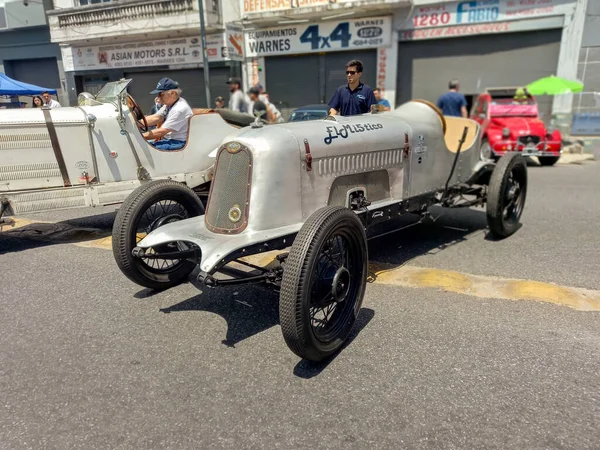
323, 283
148, 208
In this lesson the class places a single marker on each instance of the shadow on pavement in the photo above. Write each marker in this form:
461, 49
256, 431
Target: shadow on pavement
246, 314
309, 369
41, 234
447, 228
252, 309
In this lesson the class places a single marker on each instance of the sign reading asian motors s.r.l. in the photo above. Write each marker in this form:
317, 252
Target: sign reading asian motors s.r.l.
473, 12
371, 32
185, 50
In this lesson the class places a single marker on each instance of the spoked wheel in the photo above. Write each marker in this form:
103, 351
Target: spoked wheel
506, 195
323, 283
149, 207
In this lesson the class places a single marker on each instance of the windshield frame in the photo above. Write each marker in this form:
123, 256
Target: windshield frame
112, 90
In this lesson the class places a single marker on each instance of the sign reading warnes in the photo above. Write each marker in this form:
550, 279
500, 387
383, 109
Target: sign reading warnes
372, 32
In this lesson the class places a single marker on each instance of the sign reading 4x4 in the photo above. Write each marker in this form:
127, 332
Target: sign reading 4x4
372, 32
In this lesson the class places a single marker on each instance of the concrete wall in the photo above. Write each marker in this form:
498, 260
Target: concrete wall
589, 61
29, 44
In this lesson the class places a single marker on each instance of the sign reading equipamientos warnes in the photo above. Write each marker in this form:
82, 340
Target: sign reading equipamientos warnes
354, 34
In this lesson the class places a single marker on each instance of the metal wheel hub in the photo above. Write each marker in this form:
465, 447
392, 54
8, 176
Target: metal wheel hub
340, 285
165, 220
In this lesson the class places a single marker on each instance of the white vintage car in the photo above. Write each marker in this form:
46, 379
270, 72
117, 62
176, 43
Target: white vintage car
94, 154
318, 189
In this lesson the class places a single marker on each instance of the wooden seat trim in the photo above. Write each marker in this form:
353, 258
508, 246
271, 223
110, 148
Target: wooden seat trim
454, 131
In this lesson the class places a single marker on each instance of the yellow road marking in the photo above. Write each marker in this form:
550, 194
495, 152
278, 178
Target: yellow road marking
486, 286
406, 276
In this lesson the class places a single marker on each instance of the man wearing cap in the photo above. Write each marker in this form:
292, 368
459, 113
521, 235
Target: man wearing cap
173, 118
273, 113
237, 101
257, 106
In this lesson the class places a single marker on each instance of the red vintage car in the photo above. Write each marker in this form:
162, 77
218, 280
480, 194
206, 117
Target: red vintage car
510, 122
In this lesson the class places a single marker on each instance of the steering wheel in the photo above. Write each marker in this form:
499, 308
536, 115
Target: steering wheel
137, 112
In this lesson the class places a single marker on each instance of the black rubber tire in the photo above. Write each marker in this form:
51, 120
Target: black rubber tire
295, 296
548, 160
124, 232
499, 227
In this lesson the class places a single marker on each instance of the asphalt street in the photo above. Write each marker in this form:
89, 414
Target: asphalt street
90, 360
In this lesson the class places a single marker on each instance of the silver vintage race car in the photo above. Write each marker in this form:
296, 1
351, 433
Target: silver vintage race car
317, 189
94, 154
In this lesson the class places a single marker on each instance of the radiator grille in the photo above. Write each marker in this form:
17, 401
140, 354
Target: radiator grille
229, 198
535, 140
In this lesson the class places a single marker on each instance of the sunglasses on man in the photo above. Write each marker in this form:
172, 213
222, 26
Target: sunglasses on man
350, 72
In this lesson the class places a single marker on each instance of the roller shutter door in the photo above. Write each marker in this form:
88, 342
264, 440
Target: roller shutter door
191, 81
41, 72
298, 80
479, 62
293, 81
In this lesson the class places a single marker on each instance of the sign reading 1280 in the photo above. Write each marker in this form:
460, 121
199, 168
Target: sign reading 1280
340, 33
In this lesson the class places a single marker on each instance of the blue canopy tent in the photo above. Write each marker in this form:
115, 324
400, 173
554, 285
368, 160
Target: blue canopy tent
8, 86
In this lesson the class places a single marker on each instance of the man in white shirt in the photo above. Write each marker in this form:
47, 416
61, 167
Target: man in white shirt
172, 119
237, 101
49, 101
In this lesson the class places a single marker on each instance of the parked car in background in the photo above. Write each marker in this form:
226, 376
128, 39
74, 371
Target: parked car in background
510, 122
309, 112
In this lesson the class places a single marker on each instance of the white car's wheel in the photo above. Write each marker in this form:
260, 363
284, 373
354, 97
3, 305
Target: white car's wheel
150, 206
323, 283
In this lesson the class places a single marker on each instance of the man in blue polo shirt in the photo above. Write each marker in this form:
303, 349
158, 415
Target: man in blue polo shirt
355, 97
453, 103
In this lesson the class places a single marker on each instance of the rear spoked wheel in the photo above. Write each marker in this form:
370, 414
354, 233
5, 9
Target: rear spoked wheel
149, 207
506, 195
323, 283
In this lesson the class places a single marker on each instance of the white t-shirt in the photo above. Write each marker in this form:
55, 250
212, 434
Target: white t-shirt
237, 102
272, 107
53, 104
177, 119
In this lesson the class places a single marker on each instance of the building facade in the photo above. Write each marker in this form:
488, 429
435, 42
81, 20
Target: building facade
26, 51
586, 105
146, 40
297, 49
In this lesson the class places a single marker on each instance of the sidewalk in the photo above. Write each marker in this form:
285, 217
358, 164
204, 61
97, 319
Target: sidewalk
575, 158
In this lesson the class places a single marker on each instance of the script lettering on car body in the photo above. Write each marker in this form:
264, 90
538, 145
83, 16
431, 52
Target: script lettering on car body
344, 131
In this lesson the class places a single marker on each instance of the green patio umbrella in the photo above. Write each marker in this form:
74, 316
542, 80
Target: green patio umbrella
553, 85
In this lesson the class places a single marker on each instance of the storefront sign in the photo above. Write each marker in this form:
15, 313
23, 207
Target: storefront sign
372, 32
144, 54
482, 28
483, 11
264, 6
234, 42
